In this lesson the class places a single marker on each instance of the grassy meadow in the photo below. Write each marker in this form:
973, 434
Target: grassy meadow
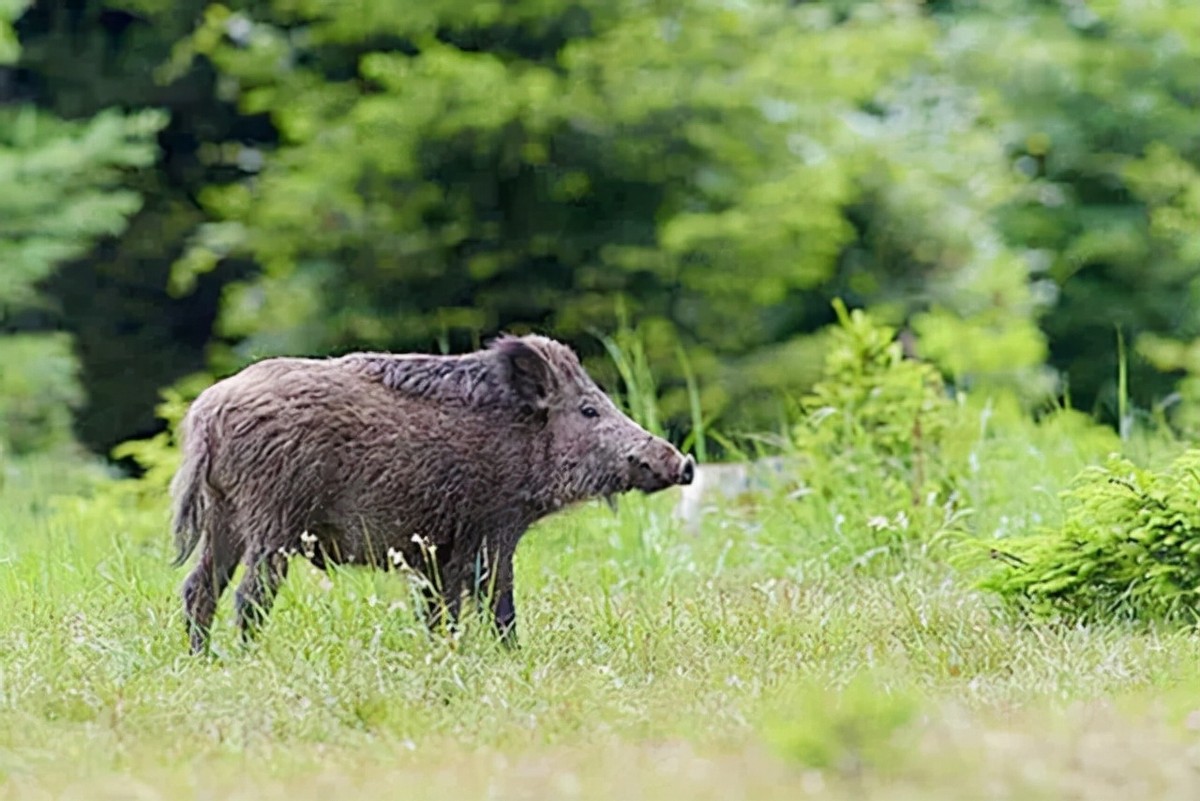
797, 645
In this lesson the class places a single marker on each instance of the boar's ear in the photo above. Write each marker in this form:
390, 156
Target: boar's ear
529, 374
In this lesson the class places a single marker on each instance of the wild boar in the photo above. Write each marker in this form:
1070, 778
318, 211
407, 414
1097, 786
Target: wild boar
437, 462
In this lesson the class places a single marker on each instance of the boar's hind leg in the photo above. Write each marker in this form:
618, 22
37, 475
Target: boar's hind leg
264, 573
201, 591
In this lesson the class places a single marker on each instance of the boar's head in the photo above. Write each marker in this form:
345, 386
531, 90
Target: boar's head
591, 448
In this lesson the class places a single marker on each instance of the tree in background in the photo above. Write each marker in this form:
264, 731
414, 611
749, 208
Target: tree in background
1006, 179
132, 336
1099, 105
446, 173
61, 190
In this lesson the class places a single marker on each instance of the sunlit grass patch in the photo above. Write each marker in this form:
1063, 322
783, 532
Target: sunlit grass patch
743, 659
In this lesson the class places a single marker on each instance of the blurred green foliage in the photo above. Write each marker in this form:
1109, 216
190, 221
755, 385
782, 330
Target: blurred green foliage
1100, 112
1007, 181
61, 190
481, 167
864, 726
131, 336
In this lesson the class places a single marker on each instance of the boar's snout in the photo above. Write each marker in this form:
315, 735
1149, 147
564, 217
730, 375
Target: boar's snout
688, 471
659, 465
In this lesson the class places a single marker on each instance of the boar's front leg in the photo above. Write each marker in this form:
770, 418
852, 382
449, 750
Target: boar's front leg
441, 606
496, 584
442, 592
504, 616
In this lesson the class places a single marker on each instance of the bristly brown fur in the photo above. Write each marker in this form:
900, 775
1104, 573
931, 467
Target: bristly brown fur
371, 458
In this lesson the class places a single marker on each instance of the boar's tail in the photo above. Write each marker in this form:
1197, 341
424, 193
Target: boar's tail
190, 487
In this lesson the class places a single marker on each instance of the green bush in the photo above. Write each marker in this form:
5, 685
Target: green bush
1128, 549
871, 399
873, 436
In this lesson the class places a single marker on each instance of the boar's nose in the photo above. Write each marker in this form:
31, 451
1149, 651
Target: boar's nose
688, 471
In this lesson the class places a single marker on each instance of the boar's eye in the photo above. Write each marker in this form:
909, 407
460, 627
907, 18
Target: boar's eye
589, 411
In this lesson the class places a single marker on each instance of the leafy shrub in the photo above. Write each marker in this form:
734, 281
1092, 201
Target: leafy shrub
873, 399
1128, 548
874, 430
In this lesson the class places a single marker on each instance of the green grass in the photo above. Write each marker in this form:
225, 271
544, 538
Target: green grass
744, 662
